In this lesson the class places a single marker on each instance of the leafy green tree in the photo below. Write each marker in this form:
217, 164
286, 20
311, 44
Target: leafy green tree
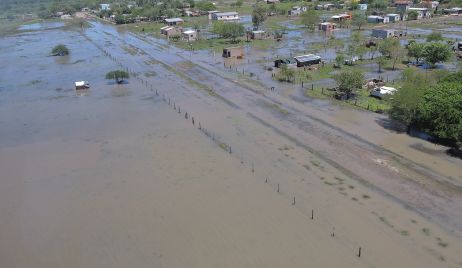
286, 74
339, 60
229, 30
359, 19
259, 14
404, 104
381, 61
416, 50
310, 18
60, 50
118, 76
440, 112
239, 3
434, 36
119, 19
387, 46
349, 81
435, 52
412, 15
205, 6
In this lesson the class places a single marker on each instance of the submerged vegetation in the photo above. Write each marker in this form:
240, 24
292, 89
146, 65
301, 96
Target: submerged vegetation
60, 50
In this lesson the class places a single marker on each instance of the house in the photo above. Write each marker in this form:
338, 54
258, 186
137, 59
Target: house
173, 21
210, 13
225, 16
453, 11
289, 62
422, 12
105, 6
386, 33
392, 17
377, 19
189, 35
296, 10
327, 26
259, 35
430, 4
325, 7
341, 17
82, 85
362, 6
402, 6
307, 60
233, 52
189, 13
170, 31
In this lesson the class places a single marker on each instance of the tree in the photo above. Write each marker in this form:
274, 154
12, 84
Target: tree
387, 46
412, 15
435, 52
229, 30
259, 14
381, 61
339, 60
440, 112
239, 3
359, 19
416, 50
60, 50
310, 18
404, 104
433, 37
286, 74
205, 6
117, 75
348, 81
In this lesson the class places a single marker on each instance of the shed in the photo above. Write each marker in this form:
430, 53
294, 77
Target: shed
289, 62
377, 19
362, 6
386, 33
173, 21
307, 60
82, 85
170, 31
258, 34
327, 26
225, 16
189, 35
392, 17
233, 52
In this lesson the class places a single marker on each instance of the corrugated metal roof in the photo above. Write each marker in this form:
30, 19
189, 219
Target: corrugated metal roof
308, 57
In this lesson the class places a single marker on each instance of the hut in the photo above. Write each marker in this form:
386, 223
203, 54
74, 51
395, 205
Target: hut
392, 17
288, 62
225, 16
173, 21
170, 31
327, 26
307, 60
233, 52
189, 35
260, 35
386, 33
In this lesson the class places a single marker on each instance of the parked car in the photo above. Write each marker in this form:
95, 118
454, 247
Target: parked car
380, 92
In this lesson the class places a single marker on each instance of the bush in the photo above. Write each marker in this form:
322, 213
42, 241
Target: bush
60, 50
117, 75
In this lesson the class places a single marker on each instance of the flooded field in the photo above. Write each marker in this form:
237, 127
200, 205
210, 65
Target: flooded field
190, 163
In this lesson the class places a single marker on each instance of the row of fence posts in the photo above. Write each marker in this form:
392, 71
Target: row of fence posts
169, 101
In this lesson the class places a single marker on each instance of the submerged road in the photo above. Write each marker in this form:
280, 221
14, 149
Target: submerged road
350, 141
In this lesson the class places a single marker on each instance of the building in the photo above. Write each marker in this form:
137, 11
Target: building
327, 26
402, 5
210, 13
392, 17
428, 4
453, 11
422, 12
233, 52
259, 35
362, 6
307, 60
377, 19
272, 1
387, 33
341, 17
173, 21
225, 16
170, 31
296, 11
189, 35
289, 62
105, 6
189, 13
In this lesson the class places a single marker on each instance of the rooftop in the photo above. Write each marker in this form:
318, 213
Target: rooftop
174, 20
232, 13
308, 57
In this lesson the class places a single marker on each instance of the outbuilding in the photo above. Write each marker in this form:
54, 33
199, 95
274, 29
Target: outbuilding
259, 35
189, 35
307, 60
377, 19
289, 62
392, 17
327, 26
173, 21
225, 16
233, 52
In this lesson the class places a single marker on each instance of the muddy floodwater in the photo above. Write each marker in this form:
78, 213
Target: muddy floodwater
190, 164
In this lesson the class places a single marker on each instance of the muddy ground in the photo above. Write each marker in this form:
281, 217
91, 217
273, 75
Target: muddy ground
117, 175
